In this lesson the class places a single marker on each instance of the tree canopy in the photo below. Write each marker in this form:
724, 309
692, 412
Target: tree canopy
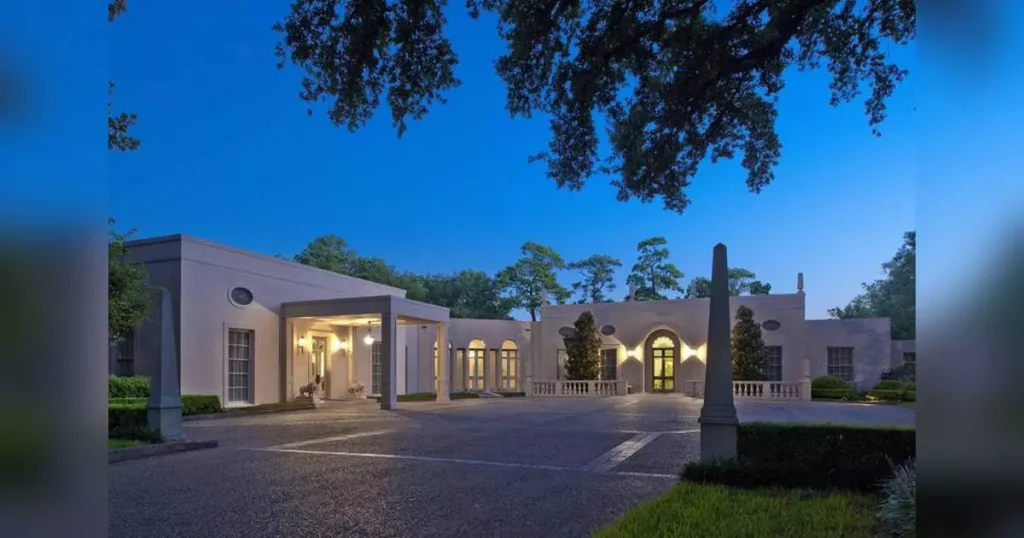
598, 273
749, 355
894, 296
583, 349
741, 281
676, 82
532, 276
127, 298
653, 274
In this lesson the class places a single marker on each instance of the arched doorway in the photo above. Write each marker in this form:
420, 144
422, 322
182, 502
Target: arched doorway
662, 357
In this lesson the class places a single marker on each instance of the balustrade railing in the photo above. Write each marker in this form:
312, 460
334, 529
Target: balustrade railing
577, 389
757, 390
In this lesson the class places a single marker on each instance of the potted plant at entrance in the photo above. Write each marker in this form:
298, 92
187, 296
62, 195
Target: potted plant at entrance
357, 389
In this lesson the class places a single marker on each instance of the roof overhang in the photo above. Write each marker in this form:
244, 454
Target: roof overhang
380, 305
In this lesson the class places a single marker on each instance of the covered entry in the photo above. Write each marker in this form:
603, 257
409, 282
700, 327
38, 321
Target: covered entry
376, 321
662, 352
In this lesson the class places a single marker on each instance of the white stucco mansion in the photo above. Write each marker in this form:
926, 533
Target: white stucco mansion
254, 329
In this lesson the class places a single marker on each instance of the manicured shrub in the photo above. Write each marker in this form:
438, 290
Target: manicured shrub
910, 396
849, 394
889, 384
199, 404
128, 421
829, 382
887, 395
127, 387
819, 456
897, 515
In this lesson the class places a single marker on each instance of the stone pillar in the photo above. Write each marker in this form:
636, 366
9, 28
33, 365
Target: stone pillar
718, 423
488, 370
443, 387
389, 360
163, 409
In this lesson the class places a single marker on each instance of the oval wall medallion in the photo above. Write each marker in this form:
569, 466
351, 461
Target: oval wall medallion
240, 296
607, 330
771, 325
566, 332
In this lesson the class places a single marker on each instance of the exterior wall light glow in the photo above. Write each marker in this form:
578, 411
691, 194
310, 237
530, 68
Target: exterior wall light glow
368, 339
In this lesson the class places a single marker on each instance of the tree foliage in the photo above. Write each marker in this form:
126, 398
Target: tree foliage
894, 296
598, 278
583, 349
467, 294
749, 355
653, 274
741, 281
675, 81
532, 276
118, 123
127, 297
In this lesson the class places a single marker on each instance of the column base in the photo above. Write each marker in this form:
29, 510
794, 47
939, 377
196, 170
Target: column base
717, 440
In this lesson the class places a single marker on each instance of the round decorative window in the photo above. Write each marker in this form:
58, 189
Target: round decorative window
566, 332
608, 330
771, 325
240, 296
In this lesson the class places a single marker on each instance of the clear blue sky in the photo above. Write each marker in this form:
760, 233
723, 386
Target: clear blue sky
229, 155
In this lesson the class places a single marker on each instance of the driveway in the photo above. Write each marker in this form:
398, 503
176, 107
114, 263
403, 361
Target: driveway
489, 467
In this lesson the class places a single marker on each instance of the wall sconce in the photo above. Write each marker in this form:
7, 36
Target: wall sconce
338, 345
368, 339
302, 344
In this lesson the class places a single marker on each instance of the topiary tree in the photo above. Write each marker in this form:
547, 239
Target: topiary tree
583, 349
749, 356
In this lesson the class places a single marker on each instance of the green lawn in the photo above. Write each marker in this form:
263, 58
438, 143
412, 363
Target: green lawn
122, 443
700, 511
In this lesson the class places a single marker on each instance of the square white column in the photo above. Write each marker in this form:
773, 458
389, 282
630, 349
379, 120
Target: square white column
443, 387
389, 361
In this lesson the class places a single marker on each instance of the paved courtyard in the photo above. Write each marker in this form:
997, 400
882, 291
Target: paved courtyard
491, 467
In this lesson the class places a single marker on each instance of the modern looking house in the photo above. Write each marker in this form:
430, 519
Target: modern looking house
254, 329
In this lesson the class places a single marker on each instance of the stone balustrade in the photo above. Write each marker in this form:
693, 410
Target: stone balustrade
757, 390
577, 389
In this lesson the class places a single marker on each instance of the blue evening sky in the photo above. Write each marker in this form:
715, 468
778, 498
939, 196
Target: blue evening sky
229, 155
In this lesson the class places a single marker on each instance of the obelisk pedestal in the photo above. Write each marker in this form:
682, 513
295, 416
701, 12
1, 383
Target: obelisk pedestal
163, 410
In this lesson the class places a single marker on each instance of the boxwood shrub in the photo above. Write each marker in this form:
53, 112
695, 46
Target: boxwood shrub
830, 387
127, 387
200, 404
128, 421
818, 456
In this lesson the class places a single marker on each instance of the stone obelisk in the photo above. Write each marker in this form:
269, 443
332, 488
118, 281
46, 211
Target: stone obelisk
164, 405
717, 420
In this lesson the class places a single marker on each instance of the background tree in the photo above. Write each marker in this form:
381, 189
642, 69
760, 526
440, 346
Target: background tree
894, 296
652, 273
583, 349
118, 124
468, 294
328, 252
741, 281
749, 356
676, 81
126, 293
534, 274
598, 277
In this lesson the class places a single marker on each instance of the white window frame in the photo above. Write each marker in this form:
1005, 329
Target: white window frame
840, 353
376, 351
769, 367
605, 366
226, 385
119, 361
509, 365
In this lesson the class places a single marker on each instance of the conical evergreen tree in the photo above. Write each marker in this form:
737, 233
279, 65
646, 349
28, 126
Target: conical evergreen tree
583, 349
749, 356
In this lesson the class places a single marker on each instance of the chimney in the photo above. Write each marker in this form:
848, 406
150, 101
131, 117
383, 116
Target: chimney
799, 282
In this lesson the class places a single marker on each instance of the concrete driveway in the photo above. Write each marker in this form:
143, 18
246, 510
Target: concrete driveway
490, 467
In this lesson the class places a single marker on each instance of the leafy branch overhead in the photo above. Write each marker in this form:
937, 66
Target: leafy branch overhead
675, 81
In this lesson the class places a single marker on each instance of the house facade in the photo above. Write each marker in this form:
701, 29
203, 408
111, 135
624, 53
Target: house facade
254, 329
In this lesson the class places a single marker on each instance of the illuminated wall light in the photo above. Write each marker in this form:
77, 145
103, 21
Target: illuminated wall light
302, 344
338, 345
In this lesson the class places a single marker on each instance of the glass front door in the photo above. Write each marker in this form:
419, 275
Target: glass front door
664, 372
318, 365
475, 369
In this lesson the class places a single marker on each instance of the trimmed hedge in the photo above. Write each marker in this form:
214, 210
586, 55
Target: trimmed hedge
836, 394
127, 417
200, 404
127, 387
891, 390
818, 456
829, 382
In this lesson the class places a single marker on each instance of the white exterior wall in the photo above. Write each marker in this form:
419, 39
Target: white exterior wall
869, 338
207, 272
634, 322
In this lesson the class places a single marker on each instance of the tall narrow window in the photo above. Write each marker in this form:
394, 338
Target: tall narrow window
910, 358
609, 364
126, 356
509, 368
376, 372
773, 366
240, 359
840, 363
